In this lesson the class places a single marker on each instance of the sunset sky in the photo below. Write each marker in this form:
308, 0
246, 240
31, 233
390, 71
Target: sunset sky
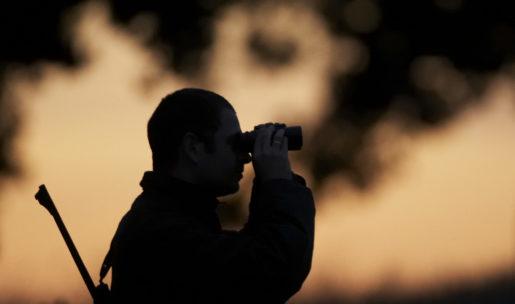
444, 210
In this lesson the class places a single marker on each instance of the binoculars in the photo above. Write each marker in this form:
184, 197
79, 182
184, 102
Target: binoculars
293, 133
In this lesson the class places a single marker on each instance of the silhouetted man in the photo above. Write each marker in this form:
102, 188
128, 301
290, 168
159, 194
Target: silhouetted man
170, 248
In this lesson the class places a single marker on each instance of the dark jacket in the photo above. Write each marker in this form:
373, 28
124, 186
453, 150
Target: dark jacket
170, 248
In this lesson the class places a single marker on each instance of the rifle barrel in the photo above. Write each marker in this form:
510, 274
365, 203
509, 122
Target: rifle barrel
44, 199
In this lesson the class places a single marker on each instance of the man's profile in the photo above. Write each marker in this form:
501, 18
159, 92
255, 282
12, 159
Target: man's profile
170, 248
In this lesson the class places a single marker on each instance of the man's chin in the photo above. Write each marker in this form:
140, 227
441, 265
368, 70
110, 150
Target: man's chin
227, 190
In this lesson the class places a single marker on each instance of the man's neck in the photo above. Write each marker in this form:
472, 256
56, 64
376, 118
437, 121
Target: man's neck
180, 173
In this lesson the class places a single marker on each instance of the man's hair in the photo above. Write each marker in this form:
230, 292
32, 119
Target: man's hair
187, 110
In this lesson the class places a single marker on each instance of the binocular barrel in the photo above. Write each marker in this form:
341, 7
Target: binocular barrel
294, 135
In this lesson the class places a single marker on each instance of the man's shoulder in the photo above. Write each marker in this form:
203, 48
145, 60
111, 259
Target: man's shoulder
143, 221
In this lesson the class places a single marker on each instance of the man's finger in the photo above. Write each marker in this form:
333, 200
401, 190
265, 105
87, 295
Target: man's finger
278, 138
284, 145
258, 144
267, 138
263, 139
262, 126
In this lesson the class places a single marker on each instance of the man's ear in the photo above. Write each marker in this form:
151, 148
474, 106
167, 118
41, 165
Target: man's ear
192, 147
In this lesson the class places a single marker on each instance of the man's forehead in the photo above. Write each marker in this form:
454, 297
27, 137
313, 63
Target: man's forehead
229, 124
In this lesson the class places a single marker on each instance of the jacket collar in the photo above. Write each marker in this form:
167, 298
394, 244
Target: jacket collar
176, 194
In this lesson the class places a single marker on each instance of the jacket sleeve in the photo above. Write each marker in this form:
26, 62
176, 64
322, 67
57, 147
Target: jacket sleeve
271, 256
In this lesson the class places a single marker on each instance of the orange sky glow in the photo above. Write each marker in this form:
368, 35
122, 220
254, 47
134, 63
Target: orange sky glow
445, 210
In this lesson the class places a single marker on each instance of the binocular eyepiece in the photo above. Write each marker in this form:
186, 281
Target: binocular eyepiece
294, 135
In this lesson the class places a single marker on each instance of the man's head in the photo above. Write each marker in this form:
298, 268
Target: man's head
192, 135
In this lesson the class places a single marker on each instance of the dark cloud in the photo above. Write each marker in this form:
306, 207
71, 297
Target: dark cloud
31, 32
184, 29
9, 124
409, 43
476, 37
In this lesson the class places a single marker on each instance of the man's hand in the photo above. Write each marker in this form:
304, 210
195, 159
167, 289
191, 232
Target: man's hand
270, 156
